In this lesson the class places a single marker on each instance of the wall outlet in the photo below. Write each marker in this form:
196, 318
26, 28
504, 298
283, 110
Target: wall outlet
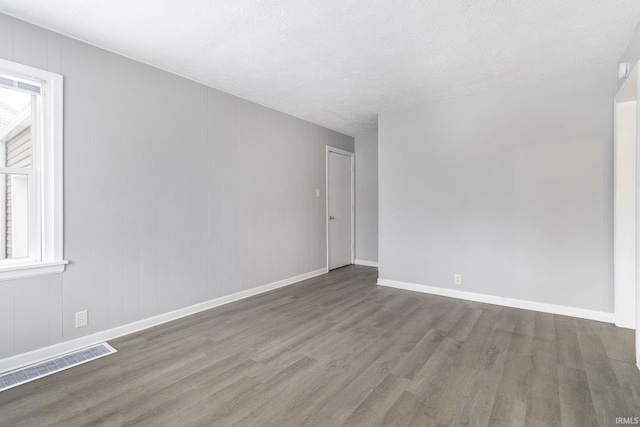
457, 278
317, 192
82, 319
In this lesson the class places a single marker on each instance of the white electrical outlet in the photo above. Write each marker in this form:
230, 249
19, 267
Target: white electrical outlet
82, 319
317, 192
457, 279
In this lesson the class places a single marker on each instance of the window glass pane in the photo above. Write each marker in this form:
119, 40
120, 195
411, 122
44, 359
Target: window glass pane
12, 103
15, 152
14, 212
15, 129
18, 150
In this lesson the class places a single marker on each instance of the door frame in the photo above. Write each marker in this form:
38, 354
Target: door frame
330, 149
625, 302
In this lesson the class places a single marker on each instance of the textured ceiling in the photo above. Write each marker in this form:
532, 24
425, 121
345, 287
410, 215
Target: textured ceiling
339, 62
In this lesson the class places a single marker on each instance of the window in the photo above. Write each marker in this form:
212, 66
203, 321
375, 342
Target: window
30, 171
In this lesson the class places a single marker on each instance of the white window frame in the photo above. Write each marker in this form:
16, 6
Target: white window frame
45, 184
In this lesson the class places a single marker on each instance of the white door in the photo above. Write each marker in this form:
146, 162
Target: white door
340, 202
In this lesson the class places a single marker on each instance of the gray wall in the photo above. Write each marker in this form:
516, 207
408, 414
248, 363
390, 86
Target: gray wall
511, 188
175, 194
367, 196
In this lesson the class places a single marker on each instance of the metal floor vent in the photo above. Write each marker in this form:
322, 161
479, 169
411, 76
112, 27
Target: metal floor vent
51, 366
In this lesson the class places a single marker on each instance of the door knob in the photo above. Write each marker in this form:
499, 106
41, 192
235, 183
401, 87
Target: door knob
331, 217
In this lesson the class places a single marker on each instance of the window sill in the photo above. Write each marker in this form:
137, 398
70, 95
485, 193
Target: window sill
30, 269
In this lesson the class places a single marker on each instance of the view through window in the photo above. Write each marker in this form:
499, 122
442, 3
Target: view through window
31, 139
16, 152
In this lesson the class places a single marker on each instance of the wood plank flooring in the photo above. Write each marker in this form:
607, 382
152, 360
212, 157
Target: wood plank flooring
339, 350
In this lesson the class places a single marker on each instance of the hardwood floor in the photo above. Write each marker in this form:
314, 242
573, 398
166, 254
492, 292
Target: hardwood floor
339, 350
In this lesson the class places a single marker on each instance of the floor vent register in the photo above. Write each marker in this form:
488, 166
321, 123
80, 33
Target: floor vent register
51, 366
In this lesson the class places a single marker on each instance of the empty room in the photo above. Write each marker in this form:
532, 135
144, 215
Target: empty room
338, 213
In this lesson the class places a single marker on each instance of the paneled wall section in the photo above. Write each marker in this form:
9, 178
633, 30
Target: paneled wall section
175, 193
511, 188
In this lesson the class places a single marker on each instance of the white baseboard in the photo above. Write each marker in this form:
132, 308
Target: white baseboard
365, 262
624, 323
582, 313
24, 359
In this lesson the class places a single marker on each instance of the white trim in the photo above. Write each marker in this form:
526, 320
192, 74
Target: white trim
52, 164
30, 269
367, 263
46, 203
339, 151
582, 313
624, 236
27, 71
15, 362
330, 149
625, 304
